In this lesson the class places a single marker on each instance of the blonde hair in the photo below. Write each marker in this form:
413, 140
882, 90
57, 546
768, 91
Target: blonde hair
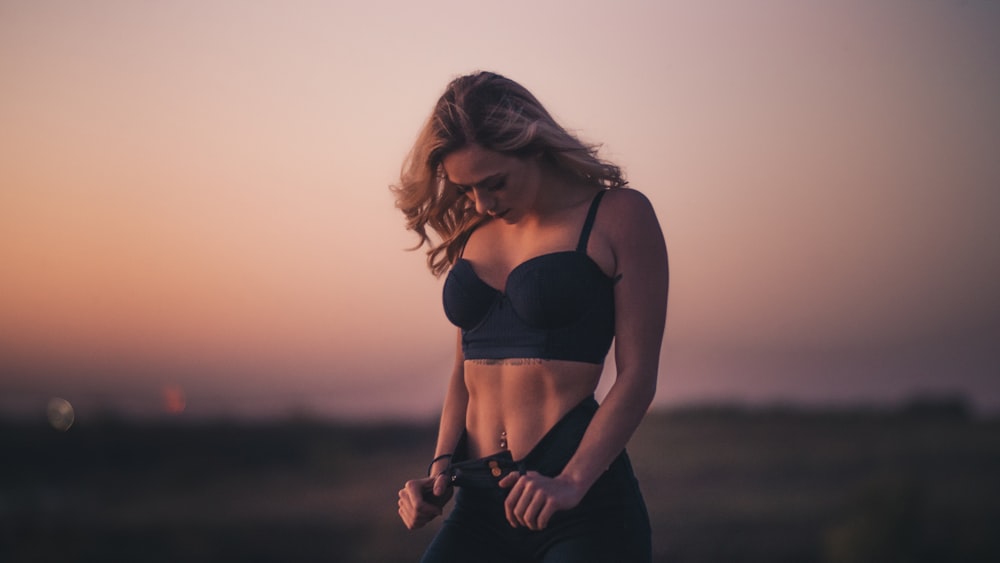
498, 114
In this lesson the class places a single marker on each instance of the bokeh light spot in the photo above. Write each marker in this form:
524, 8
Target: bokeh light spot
61, 415
174, 401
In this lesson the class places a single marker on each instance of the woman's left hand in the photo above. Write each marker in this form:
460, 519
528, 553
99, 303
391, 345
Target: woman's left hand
534, 498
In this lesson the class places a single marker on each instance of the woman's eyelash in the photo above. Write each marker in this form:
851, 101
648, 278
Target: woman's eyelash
498, 185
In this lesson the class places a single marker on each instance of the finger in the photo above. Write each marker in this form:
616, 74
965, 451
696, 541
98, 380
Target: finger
407, 517
530, 515
512, 499
413, 493
406, 504
440, 485
528, 496
509, 480
413, 516
404, 499
545, 515
406, 494
414, 488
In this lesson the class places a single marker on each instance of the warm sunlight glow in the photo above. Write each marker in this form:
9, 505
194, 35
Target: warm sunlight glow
197, 193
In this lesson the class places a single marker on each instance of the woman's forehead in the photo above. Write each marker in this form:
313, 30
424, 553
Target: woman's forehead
472, 164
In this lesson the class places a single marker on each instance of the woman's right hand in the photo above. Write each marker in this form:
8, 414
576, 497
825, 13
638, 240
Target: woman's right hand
422, 500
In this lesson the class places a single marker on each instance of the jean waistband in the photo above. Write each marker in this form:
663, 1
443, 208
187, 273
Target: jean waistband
558, 445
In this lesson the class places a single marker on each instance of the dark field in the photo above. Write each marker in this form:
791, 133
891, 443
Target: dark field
722, 485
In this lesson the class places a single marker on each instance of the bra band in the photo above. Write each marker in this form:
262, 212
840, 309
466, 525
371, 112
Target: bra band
588, 224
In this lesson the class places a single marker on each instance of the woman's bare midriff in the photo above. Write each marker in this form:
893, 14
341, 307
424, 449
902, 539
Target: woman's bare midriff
513, 403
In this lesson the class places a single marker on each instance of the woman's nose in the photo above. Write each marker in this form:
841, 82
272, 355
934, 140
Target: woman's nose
484, 202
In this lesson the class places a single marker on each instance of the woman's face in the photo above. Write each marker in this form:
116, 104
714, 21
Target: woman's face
501, 185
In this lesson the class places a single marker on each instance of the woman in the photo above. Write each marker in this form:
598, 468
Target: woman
549, 258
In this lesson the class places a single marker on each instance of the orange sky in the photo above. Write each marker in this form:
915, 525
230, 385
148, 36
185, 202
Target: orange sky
193, 195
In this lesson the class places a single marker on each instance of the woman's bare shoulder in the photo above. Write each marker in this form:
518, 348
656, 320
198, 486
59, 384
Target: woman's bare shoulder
627, 208
480, 237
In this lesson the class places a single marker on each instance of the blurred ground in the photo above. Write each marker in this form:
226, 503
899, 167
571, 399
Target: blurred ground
722, 484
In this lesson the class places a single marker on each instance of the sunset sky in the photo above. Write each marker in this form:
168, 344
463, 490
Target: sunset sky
194, 195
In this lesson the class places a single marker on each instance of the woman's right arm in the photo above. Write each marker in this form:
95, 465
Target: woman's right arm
456, 401
421, 500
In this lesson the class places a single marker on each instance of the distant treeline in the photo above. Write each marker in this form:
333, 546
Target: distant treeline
950, 406
915, 483
931, 406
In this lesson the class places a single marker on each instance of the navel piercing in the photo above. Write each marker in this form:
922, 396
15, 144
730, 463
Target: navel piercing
503, 440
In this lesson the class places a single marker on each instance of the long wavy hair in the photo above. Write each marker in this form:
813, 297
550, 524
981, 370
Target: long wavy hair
498, 114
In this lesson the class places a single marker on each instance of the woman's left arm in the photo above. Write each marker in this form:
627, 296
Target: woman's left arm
640, 255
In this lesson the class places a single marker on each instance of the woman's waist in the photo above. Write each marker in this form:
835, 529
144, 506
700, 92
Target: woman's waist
516, 418
513, 382
548, 452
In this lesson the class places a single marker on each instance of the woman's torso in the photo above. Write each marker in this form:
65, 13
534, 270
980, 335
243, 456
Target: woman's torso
514, 401
523, 400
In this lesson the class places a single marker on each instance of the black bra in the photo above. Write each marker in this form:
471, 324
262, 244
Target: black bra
557, 306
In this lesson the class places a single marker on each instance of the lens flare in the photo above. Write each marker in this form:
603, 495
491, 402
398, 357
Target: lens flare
61, 414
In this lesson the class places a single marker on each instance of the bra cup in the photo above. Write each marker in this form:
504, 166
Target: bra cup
467, 299
555, 293
556, 306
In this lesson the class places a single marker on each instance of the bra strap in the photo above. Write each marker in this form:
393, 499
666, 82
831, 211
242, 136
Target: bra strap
588, 224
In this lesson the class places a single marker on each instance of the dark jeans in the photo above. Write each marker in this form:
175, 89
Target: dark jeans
609, 525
